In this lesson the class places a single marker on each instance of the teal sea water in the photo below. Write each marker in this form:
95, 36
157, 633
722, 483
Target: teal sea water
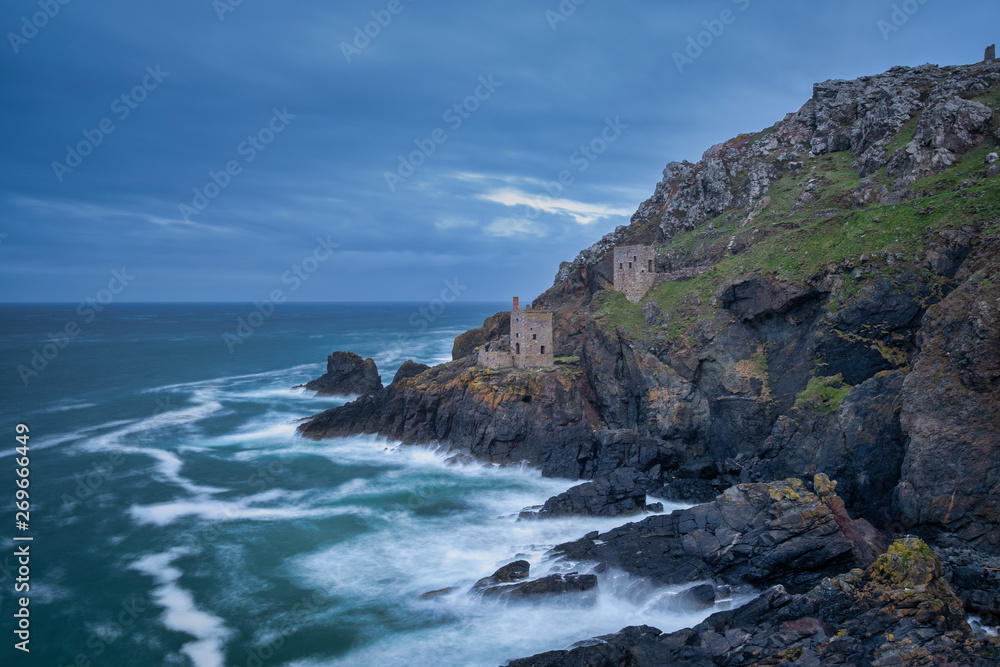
179, 520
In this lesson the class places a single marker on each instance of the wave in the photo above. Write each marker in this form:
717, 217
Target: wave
181, 613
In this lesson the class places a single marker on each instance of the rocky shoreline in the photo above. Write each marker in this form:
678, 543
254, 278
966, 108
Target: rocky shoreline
827, 307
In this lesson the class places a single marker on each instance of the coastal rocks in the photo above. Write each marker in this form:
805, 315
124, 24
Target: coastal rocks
408, 370
505, 416
760, 534
509, 573
347, 374
493, 327
510, 583
899, 611
614, 495
951, 412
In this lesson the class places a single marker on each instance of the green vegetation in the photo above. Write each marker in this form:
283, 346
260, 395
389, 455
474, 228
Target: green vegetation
903, 137
567, 360
614, 310
824, 394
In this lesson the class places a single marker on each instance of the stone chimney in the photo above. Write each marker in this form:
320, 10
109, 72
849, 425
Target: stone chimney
517, 306
991, 53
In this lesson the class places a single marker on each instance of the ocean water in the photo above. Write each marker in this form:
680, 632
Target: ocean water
177, 518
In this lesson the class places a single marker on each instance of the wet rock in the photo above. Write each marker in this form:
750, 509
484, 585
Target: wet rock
511, 572
753, 533
347, 374
552, 585
899, 611
614, 495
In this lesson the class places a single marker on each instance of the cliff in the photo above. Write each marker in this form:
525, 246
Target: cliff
827, 301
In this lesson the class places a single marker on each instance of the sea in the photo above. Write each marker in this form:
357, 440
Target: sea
173, 516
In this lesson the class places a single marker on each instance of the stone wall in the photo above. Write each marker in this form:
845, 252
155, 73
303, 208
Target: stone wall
531, 338
635, 270
495, 360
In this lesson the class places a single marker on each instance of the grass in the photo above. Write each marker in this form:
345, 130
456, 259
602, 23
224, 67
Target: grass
824, 394
793, 238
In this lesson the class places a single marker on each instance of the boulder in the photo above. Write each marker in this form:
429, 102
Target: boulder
347, 374
614, 495
553, 584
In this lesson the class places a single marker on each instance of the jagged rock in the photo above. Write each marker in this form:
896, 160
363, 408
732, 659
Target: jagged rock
695, 598
615, 495
756, 296
753, 533
409, 369
430, 595
553, 584
347, 374
899, 611
951, 413
493, 327
509, 573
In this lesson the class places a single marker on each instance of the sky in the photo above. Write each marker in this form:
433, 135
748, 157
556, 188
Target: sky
388, 150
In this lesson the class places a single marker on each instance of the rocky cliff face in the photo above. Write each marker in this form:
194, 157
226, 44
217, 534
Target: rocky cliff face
828, 302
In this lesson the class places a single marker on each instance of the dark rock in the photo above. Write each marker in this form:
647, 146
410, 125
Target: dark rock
511, 572
493, 327
756, 297
695, 598
900, 611
408, 370
430, 595
347, 374
554, 584
753, 533
614, 495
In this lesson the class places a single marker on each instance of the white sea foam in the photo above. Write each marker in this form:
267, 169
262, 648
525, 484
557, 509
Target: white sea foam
182, 614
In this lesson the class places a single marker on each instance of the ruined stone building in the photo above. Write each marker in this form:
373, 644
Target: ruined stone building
635, 270
529, 345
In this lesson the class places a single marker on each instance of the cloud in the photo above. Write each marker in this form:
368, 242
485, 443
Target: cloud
509, 227
581, 212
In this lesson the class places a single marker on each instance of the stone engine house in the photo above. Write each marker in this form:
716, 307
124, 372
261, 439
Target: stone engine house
635, 270
529, 345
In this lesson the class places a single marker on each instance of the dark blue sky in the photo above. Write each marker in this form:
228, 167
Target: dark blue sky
532, 85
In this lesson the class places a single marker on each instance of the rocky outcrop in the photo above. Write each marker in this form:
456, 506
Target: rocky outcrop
753, 533
347, 374
511, 582
615, 495
493, 327
899, 611
409, 369
506, 416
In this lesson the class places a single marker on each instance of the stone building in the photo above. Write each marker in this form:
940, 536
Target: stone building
635, 270
991, 53
529, 345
